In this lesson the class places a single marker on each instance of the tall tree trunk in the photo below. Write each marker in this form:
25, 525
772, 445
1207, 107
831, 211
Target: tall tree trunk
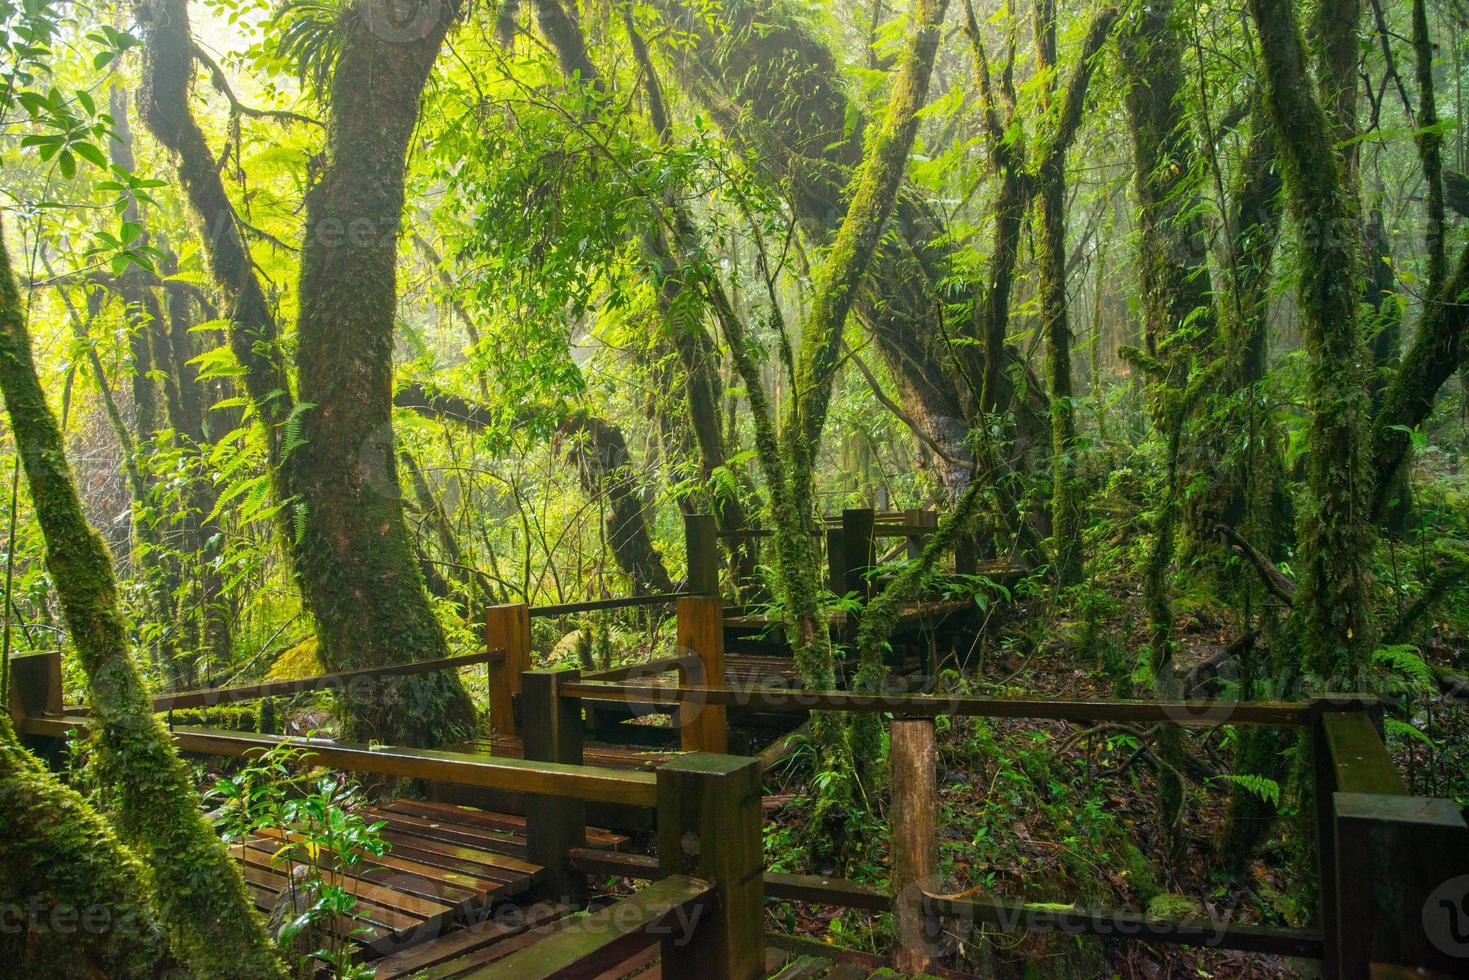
199, 892
354, 559
355, 554
1335, 531
606, 471
1049, 180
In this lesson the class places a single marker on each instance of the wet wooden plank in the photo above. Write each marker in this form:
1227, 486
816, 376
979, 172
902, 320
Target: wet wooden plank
508, 921
591, 943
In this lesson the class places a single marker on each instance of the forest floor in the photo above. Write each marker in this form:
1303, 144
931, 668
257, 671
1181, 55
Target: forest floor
1050, 812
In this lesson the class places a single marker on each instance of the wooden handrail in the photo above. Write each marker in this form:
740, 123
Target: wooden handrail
687, 667
1184, 713
1011, 914
587, 783
213, 697
602, 605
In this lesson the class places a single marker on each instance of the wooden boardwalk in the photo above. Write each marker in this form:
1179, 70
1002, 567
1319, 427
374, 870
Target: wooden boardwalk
445, 866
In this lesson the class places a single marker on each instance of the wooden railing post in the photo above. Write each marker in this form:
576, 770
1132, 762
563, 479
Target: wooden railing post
914, 847
703, 727
552, 732
507, 629
921, 517
859, 550
1394, 867
701, 544
709, 828
35, 685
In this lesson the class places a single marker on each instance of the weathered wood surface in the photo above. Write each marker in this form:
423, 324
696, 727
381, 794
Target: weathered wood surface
507, 633
487, 938
347, 680
1011, 915
709, 822
700, 633
914, 844
429, 880
588, 945
1205, 714
588, 783
601, 756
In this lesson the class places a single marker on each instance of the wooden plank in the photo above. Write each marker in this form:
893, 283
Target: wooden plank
635, 965
500, 842
492, 820
709, 827
454, 880
914, 845
1011, 916
455, 857
1402, 882
505, 922
400, 910
372, 869
342, 680
859, 552
479, 958
374, 922
1205, 714
835, 892
644, 670
589, 783
516, 775
35, 685
587, 945
806, 889
639, 867
507, 633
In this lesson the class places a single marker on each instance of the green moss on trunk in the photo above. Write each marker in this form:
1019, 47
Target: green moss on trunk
200, 894
1336, 603
81, 897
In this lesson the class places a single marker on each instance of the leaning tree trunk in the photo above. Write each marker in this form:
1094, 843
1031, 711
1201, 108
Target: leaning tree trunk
355, 554
776, 90
606, 471
200, 895
1180, 322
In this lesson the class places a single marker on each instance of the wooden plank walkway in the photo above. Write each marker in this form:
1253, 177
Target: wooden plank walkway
445, 865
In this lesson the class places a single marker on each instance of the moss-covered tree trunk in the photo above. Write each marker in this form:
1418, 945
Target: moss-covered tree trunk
331, 444
1335, 535
77, 900
776, 90
606, 470
199, 892
1057, 131
355, 554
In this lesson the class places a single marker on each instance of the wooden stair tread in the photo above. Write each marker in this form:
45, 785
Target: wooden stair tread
429, 879
510, 921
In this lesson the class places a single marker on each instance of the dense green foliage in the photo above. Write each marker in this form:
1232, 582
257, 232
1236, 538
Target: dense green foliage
325, 324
